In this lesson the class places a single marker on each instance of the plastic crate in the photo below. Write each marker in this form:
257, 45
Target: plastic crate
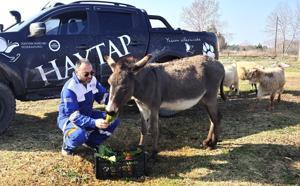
134, 168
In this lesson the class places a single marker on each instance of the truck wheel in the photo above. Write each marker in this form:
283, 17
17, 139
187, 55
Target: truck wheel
7, 107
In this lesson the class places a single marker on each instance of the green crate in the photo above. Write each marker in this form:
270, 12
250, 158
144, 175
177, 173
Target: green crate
133, 168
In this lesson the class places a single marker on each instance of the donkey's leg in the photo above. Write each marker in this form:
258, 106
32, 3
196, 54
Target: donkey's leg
237, 89
154, 131
279, 97
271, 106
255, 88
145, 119
215, 118
143, 131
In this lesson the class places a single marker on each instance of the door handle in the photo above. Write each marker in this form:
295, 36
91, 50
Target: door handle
82, 47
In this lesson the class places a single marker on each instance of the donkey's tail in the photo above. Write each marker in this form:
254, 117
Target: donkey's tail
221, 90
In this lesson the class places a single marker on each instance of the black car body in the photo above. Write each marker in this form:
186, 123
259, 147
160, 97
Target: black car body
38, 55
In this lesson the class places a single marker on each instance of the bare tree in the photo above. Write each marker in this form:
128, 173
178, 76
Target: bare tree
201, 15
220, 36
288, 25
295, 25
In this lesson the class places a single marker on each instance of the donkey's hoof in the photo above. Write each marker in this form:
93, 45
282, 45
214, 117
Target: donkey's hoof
208, 144
153, 157
211, 148
154, 154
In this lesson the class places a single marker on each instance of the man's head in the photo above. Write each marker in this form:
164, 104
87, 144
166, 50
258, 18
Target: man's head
84, 71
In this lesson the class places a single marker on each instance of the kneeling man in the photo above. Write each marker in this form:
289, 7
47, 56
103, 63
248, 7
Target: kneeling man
77, 119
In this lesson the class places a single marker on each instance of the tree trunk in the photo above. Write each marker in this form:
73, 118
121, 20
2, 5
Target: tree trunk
299, 51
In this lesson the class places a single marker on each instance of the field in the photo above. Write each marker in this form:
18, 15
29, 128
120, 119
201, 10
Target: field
258, 147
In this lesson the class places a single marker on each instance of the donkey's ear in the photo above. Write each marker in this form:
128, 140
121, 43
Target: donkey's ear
255, 73
141, 63
111, 62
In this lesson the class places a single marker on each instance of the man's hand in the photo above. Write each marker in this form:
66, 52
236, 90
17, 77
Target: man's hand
101, 124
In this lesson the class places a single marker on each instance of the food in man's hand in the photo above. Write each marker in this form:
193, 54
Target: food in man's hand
110, 118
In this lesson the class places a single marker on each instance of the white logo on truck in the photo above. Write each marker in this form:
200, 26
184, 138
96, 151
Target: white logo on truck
189, 48
208, 50
6, 47
52, 68
54, 45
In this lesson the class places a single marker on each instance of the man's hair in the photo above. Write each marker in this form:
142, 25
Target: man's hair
81, 61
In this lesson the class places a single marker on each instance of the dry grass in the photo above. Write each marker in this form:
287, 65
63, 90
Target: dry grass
259, 147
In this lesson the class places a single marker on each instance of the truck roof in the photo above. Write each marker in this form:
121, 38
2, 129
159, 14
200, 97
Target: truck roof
52, 4
104, 2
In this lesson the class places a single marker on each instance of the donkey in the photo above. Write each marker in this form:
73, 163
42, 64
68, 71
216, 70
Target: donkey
175, 85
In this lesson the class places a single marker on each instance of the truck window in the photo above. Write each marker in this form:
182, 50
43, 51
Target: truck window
115, 21
70, 23
157, 24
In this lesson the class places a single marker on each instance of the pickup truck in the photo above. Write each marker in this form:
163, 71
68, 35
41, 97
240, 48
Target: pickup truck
37, 55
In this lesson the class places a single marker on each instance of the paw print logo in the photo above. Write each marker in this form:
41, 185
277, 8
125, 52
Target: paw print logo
208, 50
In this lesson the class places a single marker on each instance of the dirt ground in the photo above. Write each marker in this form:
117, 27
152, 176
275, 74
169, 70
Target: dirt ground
258, 147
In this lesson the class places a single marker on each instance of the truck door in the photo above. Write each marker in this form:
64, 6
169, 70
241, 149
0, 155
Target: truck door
67, 35
121, 32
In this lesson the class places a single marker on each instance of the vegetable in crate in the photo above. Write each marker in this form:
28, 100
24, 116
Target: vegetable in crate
106, 153
128, 156
132, 153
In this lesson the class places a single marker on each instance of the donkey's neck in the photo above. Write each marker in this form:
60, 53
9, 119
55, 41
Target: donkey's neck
145, 85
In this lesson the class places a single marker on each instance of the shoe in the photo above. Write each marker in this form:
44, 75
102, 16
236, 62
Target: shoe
65, 152
89, 147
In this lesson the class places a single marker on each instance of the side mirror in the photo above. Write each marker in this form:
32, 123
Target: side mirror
37, 29
16, 14
1, 27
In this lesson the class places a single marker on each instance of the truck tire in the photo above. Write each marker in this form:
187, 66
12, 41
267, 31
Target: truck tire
7, 107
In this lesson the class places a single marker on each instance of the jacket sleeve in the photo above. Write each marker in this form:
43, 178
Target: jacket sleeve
102, 95
71, 108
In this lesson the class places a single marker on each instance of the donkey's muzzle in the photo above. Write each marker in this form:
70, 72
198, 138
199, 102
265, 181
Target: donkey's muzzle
111, 113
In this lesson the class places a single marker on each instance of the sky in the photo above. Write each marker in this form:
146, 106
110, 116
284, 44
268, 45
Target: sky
244, 20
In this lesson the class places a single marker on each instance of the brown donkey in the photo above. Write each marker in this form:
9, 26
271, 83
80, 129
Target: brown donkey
175, 85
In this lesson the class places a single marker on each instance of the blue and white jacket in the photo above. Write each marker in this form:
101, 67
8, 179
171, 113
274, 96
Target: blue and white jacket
77, 102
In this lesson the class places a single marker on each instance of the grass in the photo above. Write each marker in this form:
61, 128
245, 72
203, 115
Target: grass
258, 147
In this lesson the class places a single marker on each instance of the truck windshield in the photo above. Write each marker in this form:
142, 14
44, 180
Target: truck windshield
18, 26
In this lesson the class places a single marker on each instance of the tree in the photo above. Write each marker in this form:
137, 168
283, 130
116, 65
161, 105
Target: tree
201, 15
221, 38
288, 22
259, 47
295, 25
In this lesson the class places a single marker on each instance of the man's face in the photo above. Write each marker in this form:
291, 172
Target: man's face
85, 73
